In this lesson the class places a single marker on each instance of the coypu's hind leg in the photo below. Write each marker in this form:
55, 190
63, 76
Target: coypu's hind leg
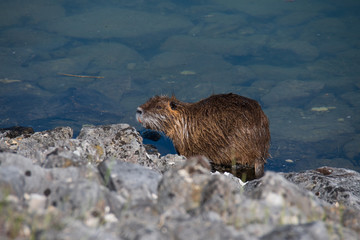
259, 168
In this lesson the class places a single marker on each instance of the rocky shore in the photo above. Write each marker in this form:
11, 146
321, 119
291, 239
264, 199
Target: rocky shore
104, 184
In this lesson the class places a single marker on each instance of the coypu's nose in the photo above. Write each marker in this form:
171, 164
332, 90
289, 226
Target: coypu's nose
139, 110
139, 113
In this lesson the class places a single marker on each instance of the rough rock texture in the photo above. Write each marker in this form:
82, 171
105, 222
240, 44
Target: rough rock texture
334, 185
104, 183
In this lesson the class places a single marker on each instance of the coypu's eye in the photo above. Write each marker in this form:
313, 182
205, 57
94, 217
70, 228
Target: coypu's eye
173, 105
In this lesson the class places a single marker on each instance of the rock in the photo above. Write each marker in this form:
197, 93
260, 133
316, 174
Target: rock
198, 228
73, 229
307, 126
11, 182
130, 194
292, 90
40, 180
181, 188
333, 185
275, 191
261, 9
119, 141
37, 203
78, 198
16, 131
351, 148
33, 12
36, 145
169, 161
109, 22
312, 231
215, 46
294, 50
130, 180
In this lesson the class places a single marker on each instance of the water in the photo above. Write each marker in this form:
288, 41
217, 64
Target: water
299, 59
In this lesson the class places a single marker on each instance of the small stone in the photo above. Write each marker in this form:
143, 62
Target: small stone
37, 203
187, 72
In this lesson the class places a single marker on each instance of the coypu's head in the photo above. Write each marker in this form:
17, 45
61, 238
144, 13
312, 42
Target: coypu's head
161, 113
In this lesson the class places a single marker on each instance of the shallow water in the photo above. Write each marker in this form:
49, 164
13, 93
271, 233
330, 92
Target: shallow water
299, 59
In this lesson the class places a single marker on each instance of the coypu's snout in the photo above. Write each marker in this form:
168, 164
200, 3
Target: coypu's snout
139, 113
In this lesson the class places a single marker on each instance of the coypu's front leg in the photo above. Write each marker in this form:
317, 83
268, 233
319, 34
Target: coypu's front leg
259, 168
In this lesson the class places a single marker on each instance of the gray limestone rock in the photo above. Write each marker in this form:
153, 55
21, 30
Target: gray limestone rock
333, 185
11, 182
104, 183
310, 231
119, 141
180, 190
131, 181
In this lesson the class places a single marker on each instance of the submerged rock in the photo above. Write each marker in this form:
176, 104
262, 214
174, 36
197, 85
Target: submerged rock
292, 90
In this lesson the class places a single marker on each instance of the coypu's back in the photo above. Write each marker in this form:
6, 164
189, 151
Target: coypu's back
227, 128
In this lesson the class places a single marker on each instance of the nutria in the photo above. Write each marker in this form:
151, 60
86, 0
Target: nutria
226, 128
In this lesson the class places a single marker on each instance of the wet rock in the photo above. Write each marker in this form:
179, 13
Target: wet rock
13, 132
351, 148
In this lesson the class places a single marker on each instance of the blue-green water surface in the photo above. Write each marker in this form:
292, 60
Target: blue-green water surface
93, 62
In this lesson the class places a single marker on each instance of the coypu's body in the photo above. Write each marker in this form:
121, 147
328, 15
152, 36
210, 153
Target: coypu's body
226, 128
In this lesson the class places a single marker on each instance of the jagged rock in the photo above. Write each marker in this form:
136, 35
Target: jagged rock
11, 182
132, 194
13, 132
310, 231
73, 229
169, 161
38, 179
280, 195
130, 180
120, 141
181, 188
199, 228
40, 145
334, 185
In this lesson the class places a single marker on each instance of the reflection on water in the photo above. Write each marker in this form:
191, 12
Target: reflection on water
299, 59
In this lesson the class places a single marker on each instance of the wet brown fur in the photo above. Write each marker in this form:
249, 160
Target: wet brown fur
226, 128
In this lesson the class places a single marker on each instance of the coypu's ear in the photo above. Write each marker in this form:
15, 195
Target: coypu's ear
173, 105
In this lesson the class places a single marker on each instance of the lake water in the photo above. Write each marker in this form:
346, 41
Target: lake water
93, 62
